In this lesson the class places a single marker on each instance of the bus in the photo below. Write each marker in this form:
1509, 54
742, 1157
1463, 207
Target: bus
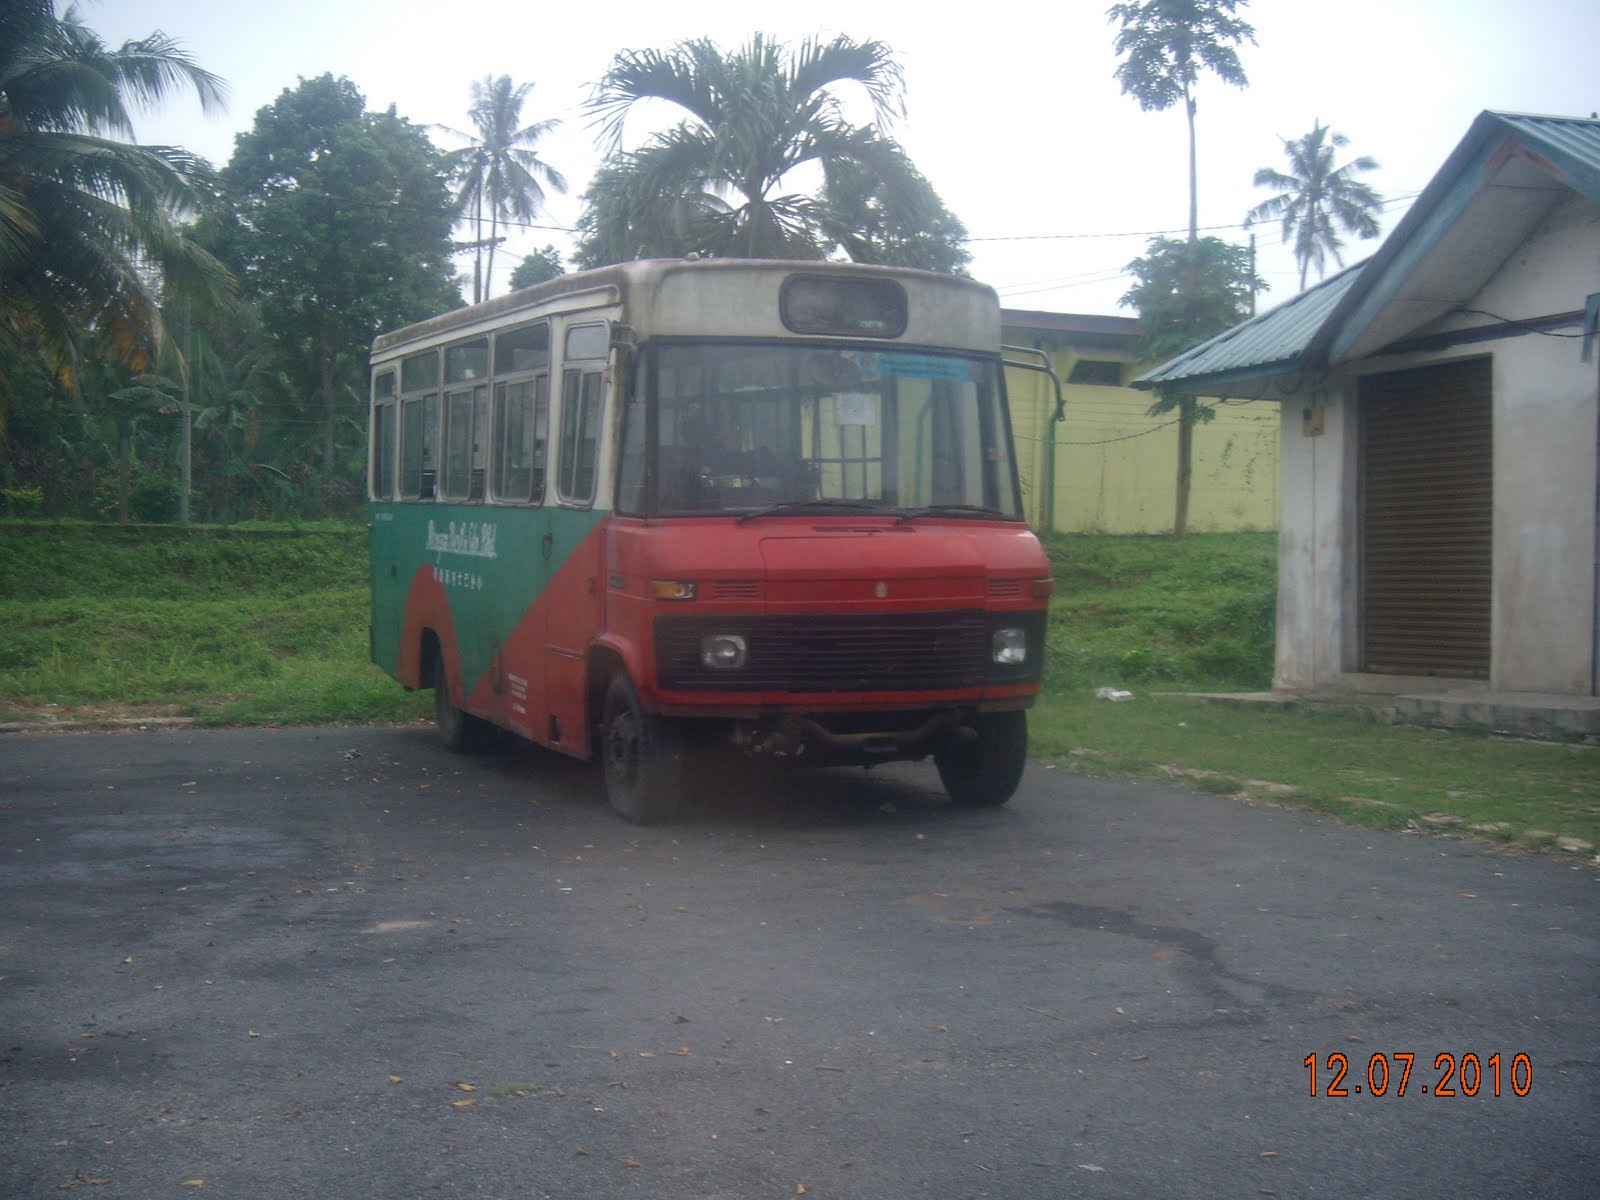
668, 509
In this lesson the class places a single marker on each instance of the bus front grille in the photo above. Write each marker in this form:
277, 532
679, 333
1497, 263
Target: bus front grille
830, 653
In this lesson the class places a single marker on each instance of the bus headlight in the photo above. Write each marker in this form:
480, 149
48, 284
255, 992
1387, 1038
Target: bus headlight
1009, 645
723, 651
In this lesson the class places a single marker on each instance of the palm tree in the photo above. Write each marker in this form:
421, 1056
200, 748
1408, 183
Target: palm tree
718, 183
1315, 196
500, 171
90, 223
1167, 43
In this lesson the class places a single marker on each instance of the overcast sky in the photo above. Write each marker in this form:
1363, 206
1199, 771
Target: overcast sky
1013, 113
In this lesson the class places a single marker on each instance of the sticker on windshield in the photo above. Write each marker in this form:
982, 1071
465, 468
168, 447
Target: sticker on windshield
918, 366
856, 408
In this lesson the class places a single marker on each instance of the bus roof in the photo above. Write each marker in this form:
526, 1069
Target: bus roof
965, 307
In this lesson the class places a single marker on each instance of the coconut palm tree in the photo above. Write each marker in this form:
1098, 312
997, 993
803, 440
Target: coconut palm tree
1315, 196
90, 228
723, 180
500, 170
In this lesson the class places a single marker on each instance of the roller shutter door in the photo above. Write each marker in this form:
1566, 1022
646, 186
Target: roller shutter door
1427, 512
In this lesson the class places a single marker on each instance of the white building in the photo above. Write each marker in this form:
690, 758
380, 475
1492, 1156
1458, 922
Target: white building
1440, 446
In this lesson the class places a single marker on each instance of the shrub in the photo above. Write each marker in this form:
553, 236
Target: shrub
22, 502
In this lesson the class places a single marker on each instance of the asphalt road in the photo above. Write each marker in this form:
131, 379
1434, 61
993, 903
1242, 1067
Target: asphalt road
341, 963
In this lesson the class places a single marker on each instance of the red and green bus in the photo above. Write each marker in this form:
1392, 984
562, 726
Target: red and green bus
682, 505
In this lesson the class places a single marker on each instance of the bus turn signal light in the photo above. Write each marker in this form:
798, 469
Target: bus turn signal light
672, 589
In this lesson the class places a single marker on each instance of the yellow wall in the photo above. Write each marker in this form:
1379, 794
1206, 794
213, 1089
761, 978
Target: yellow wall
1115, 470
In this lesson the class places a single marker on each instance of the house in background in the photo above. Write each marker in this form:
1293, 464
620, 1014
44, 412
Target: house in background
1439, 535
1110, 468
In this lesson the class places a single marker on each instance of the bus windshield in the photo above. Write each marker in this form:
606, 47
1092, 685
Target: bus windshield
749, 428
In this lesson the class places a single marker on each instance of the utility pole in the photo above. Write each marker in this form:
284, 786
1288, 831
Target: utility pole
1252, 274
479, 283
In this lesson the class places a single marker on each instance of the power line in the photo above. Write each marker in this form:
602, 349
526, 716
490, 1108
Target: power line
1146, 233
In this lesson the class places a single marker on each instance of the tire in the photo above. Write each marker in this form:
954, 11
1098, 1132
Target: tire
985, 773
459, 731
641, 757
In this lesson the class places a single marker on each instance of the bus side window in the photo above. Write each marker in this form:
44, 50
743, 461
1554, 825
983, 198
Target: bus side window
430, 446
457, 482
480, 443
581, 395
419, 425
383, 437
521, 421
419, 416
383, 465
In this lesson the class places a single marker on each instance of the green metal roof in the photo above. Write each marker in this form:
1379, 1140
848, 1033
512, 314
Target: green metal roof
1301, 332
1267, 344
1570, 144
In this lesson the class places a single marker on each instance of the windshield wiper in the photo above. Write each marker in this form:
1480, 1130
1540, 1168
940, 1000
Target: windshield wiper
823, 502
951, 510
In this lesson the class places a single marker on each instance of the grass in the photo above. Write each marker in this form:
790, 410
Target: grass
1154, 617
239, 626
269, 626
1540, 795
1143, 610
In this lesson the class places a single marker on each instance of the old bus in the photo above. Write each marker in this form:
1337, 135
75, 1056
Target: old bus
690, 504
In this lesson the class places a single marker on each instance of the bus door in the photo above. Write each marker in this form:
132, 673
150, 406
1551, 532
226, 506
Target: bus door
573, 557
465, 547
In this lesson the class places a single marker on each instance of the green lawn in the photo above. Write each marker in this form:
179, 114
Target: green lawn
255, 626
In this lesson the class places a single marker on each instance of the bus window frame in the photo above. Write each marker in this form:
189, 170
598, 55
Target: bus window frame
537, 377
464, 386
426, 396
538, 400
385, 452
582, 380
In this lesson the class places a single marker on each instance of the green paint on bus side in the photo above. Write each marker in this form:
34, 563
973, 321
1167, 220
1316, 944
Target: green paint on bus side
492, 561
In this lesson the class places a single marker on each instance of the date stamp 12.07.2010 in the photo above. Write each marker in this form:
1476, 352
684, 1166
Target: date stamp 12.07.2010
1391, 1075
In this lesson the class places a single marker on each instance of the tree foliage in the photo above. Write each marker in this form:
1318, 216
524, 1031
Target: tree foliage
341, 228
91, 231
1172, 316
499, 172
896, 220
538, 267
1184, 293
727, 179
1316, 200
1165, 45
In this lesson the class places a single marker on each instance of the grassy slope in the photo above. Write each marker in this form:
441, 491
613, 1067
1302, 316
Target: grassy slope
271, 626
243, 625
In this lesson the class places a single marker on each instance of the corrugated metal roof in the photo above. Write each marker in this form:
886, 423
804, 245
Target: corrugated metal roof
1303, 327
1570, 143
1276, 338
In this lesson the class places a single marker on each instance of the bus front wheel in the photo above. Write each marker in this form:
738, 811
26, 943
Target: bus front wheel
985, 773
642, 758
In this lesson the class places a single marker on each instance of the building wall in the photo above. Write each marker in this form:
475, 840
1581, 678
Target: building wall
1316, 565
1547, 447
1115, 468
1546, 415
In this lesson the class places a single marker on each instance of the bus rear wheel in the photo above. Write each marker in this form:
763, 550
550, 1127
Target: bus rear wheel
641, 757
457, 730
985, 773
